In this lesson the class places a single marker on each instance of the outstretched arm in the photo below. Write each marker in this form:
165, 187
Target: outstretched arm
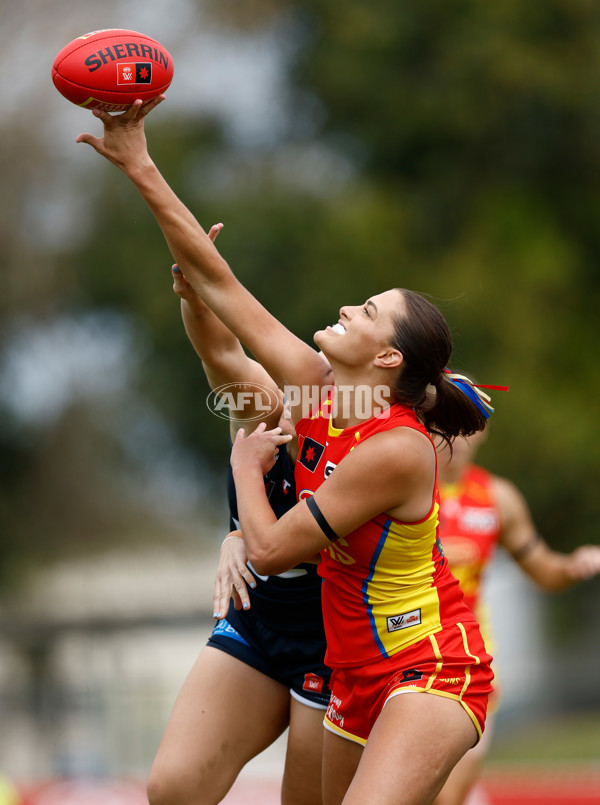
225, 362
551, 570
286, 358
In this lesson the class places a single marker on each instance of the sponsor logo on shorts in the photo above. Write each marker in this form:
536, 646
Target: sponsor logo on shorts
411, 675
404, 621
332, 712
224, 629
313, 682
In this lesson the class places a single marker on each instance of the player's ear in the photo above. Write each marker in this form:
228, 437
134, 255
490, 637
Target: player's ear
389, 358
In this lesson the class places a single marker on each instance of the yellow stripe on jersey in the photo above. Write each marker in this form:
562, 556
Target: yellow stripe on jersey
402, 603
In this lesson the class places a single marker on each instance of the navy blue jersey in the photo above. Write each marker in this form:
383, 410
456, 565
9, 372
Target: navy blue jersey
290, 601
280, 487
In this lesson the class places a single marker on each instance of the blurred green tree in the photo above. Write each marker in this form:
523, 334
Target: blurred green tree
451, 147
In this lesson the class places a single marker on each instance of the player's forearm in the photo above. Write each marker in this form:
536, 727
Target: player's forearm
294, 362
212, 341
193, 328
256, 518
189, 244
552, 571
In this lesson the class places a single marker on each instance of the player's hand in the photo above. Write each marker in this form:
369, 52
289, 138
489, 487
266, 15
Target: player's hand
233, 576
585, 562
181, 286
124, 140
259, 449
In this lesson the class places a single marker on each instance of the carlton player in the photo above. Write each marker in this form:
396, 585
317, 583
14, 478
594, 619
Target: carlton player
263, 666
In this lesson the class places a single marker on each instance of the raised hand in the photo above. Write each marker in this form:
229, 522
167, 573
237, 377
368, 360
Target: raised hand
258, 449
584, 562
124, 140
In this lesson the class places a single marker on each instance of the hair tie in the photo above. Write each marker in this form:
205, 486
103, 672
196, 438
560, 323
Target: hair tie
473, 391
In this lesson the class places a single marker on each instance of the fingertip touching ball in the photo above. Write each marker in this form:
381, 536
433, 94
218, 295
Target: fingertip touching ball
110, 69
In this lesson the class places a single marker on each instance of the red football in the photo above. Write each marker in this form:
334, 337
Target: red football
110, 69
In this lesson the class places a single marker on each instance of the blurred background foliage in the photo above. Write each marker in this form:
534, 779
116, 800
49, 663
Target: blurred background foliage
449, 147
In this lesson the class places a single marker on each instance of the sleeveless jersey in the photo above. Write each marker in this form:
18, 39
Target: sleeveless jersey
290, 600
386, 585
469, 529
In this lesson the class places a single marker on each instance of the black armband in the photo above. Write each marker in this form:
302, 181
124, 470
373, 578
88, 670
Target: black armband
318, 515
525, 549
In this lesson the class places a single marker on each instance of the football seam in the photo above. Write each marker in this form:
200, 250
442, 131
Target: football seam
99, 89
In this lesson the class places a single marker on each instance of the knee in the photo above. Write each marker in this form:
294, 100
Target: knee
157, 790
174, 785
167, 788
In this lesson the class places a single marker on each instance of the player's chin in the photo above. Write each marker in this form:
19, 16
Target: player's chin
319, 337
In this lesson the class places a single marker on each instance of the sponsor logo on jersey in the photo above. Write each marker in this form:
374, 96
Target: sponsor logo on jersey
313, 682
305, 493
404, 621
329, 468
479, 520
310, 454
440, 548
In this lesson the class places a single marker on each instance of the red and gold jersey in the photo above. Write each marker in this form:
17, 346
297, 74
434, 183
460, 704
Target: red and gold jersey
386, 585
469, 529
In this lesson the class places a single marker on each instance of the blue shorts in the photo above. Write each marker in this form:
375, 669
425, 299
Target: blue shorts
295, 660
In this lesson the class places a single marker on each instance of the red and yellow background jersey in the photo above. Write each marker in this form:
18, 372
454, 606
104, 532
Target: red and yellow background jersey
386, 585
469, 530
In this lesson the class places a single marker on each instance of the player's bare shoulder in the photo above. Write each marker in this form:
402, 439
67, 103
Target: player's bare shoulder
507, 496
401, 459
405, 450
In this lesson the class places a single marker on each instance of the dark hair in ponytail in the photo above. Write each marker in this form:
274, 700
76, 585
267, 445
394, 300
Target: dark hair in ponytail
423, 337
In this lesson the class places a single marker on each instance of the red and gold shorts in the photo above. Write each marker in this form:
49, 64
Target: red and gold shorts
452, 663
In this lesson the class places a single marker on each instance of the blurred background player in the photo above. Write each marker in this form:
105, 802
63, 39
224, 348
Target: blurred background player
9, 793
479, 511
263, 667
